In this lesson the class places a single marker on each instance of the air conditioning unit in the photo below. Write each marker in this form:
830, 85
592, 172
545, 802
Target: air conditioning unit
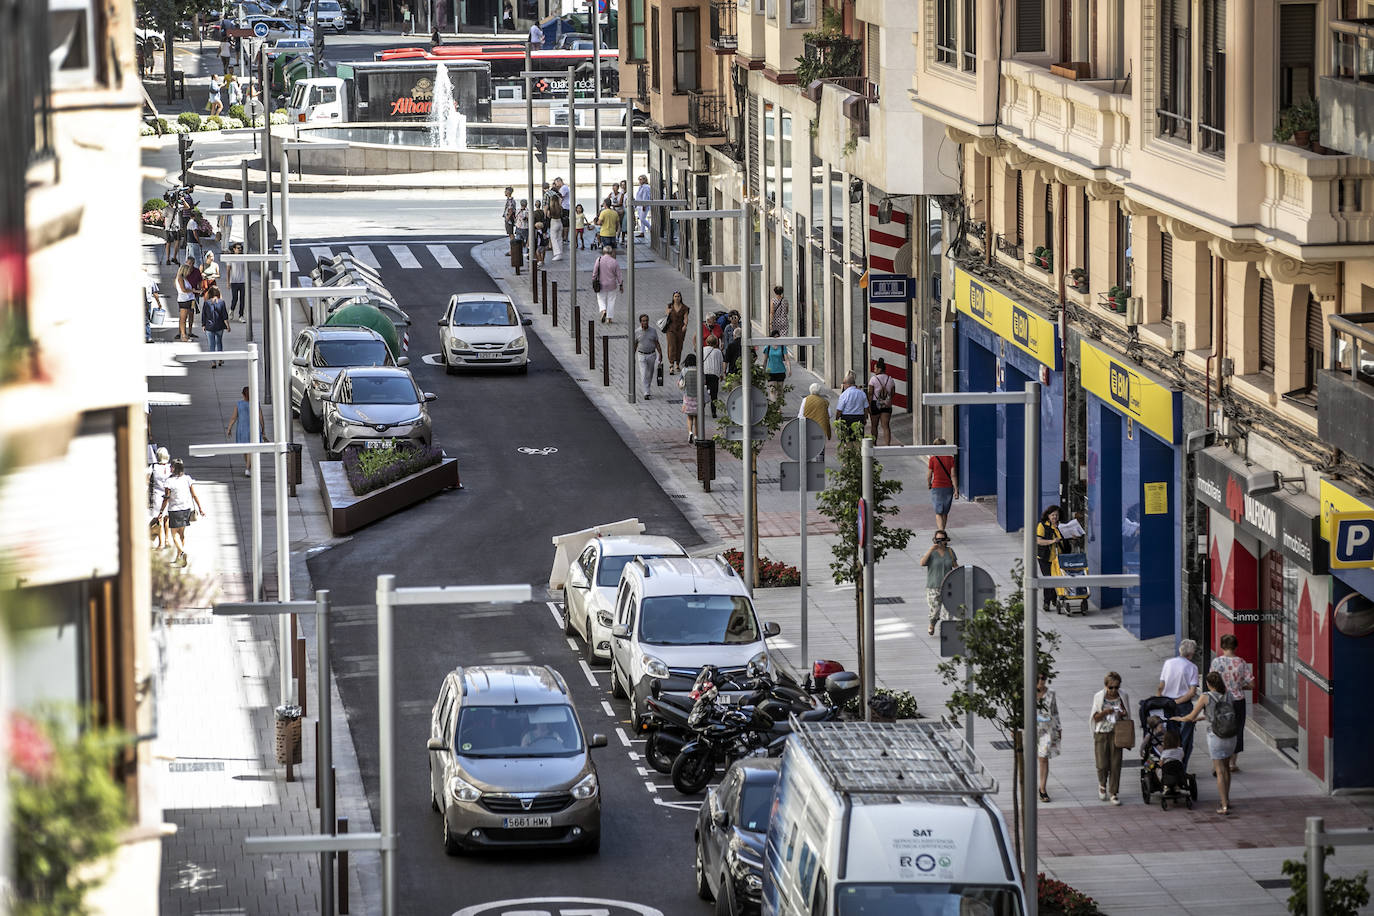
1135, 310
813, 90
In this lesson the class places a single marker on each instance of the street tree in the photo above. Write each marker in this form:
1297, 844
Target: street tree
994, 638
772, 421
839, 502
164, 15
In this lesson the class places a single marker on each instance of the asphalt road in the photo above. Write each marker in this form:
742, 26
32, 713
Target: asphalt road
496, 530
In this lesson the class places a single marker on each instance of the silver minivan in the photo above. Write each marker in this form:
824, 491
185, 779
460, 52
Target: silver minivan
509, 765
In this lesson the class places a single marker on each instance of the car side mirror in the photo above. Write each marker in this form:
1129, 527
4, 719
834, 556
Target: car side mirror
771, 629
721, 819
403, 361
597, 741
436, 744
620, 631
441, 322
527, 322
431, 396
300, 361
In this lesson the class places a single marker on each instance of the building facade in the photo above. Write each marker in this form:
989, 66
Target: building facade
74, 560
1153, 225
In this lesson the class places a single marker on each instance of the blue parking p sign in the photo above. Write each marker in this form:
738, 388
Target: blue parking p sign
1352, 540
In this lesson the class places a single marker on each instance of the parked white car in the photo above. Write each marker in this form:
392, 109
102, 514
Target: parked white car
481, 330
589, 594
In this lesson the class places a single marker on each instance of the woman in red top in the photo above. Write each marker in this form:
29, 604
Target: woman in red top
943, 481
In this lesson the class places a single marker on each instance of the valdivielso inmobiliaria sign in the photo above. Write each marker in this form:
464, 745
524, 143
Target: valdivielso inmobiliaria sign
1271, 517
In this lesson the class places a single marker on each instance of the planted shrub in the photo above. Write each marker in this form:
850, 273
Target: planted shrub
372, 469
886, 704
189, 119
772, 574
236, 111
1058, 898
153, 203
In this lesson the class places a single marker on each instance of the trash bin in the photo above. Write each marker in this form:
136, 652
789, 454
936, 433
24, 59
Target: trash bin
706, 460
293, 465
288, 735
517, 254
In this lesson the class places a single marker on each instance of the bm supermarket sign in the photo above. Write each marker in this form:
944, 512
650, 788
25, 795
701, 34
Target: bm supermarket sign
1154, 406
1027, 330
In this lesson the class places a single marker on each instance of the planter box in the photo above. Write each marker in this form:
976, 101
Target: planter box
348, 512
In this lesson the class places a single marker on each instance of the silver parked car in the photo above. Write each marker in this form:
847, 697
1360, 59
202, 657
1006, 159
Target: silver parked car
373, 408
481, 330
318, 356
508, 763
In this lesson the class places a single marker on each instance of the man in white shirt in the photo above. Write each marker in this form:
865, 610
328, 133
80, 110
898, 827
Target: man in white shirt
536, 37
1178, 680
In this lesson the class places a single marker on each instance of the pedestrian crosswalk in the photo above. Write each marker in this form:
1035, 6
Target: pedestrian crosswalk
419, 256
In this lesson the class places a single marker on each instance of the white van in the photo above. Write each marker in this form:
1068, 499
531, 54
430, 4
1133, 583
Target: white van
894, 819
323, 98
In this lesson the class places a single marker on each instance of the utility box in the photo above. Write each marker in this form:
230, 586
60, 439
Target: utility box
706, 461
288, 735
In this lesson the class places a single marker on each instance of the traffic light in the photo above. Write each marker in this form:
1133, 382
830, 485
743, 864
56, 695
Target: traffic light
187, 154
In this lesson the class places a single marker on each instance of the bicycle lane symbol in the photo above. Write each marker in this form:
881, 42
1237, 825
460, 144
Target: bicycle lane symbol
545, 451
559, 906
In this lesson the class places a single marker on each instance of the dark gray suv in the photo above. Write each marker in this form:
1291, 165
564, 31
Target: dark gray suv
508, 763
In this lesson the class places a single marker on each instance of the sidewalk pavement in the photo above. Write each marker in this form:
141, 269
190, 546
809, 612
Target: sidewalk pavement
217, 778
1132, 859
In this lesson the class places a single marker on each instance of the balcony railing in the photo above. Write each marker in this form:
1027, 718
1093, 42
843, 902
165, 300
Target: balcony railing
1087, 119
856, 84
1316, 199
724, 34
642, 82
1346, 97
1352, 49
706, 114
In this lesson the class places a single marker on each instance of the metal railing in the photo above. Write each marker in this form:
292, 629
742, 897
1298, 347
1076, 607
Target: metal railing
1351, 345
706, 113
642, 82
724, 32
1352, 49
1008, 247
856, 84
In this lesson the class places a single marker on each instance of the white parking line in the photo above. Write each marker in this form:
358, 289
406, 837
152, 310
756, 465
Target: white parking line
403, 257
556, 610
607, 707
587, 670
650, 786
443, 256
572, 643
624, 738
679, 805
365, 255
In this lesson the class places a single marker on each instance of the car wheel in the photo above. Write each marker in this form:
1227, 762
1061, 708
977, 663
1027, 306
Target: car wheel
691, 772
699, 872
617, 690
723, 905
310, 421
589, 647
636, 717
568, 628
658, 758
449, 368
524, 370
451, 846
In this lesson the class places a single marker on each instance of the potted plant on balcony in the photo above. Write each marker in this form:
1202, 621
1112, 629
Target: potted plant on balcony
1116, 299
829, 52
1078, 279
1297, 123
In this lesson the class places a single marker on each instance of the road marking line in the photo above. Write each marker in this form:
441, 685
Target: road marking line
681, 806
444, 257
365, 255
321, 253
556, 610
624, 738
607, 707
572, 643
403, 257
651, 787
587, 670
291, 263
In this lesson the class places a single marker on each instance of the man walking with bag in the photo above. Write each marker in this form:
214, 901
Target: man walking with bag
648, 353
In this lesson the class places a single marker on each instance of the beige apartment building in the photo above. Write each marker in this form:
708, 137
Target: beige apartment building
1166, 217
74, 560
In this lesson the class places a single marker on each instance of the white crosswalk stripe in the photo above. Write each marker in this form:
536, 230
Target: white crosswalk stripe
443, 256
364, 255
321, 253
403, 257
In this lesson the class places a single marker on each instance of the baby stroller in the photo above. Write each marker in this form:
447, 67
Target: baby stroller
1070, 601
1162, 778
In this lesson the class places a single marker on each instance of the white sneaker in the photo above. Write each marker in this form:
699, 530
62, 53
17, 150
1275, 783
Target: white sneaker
1101, 793
247, 473
1115, 800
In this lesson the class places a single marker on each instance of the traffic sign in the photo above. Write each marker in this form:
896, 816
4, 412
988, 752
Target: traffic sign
736, 433
966, 587
790, 474
1352, 540
260, 29
734, 404
863, 526
802, 434
889, 288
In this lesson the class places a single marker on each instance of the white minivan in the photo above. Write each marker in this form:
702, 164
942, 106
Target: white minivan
672, 616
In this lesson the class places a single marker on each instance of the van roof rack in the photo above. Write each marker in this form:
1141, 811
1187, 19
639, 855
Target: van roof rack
927, 758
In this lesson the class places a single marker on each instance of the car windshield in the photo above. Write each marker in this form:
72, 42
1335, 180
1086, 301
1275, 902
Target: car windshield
697, 620
328, 8
518, 731
608, 576
925, 899
350, 352
381, 389
484, 314
755, 802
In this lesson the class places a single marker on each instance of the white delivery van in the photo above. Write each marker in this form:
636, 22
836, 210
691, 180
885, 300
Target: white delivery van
875, 819
323, 98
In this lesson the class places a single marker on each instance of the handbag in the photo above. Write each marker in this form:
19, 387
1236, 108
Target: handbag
1123, 734
663, 323
596, 282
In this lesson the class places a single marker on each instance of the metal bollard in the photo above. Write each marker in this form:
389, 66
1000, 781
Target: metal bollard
534, 279
544, 288
577, 327
555, 314
591, 344
302, 690
605, 362
553, 296
317, 763
343, 871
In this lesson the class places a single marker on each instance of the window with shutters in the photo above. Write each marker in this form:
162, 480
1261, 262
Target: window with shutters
1316, 343
1297, 53
637, 45
1087, 233
1030, 25
1049, 218
1212, 124
871, 56
1266, 326
654, 50
970, 30
1020, 211
1175, 49
1166, 277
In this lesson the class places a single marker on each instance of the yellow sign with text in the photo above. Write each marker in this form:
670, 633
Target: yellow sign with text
1001, 315
1149, 403
1335, 500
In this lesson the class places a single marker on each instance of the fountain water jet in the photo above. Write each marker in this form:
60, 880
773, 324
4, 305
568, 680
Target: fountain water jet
448, 127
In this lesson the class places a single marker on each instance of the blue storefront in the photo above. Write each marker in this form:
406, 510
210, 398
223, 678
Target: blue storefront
1001, 346
1135, 500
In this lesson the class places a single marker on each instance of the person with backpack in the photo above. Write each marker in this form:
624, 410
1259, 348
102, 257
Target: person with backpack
1222, 729
1239, 676
881, 388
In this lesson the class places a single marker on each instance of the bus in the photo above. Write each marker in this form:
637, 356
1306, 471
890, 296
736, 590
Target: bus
507, 61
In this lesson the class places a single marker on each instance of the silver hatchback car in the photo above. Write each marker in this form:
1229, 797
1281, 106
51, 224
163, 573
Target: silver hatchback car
374, 407
508, 763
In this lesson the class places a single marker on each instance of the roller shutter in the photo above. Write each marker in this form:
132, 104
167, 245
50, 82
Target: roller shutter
1266, 325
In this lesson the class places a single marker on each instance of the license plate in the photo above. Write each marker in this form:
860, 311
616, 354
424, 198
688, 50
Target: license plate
481, 355
526, 821
376, 443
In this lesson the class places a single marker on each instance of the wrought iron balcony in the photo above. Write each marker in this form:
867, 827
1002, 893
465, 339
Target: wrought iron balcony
724, 34
706, 114
642, 83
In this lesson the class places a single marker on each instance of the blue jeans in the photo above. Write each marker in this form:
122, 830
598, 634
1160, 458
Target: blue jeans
214, 341
193, 251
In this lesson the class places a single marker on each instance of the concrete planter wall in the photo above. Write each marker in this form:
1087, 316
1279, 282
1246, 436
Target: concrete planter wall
348, 512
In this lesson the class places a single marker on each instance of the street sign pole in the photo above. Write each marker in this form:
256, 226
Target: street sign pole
803, 441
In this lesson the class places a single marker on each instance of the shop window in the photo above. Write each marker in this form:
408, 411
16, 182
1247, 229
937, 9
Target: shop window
818, 189
1266, 326
686, 50
837, 208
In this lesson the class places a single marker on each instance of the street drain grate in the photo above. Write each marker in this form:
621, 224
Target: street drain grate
896, 600
1273, 884
769, 480
1002, 745
677, 495
1101, 626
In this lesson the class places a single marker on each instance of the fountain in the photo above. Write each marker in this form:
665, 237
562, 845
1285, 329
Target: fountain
448, 127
